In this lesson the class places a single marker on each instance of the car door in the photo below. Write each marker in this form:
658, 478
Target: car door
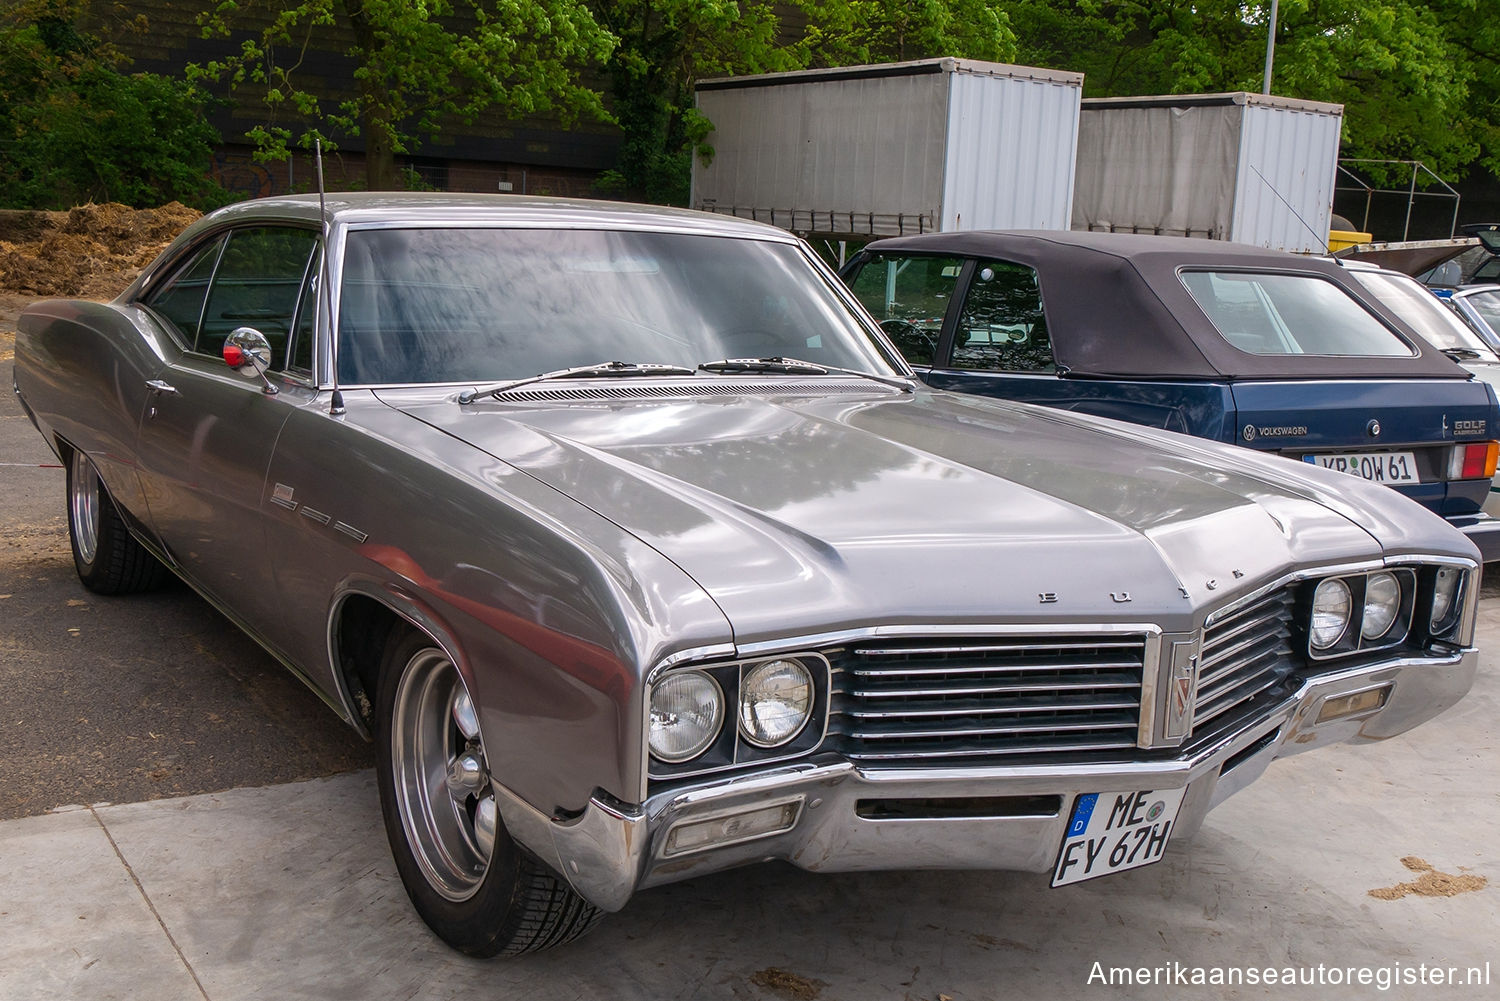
208, 432
999, 343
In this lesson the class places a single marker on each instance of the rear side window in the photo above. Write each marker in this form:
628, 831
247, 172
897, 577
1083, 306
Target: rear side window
1001, 327
1287, 314
180, 300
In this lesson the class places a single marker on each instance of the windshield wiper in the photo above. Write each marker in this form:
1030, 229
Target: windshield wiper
795, 366
1461, 354
790, 366
599, 370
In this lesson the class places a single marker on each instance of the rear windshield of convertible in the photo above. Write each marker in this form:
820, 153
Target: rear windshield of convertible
1267, 313
453, 305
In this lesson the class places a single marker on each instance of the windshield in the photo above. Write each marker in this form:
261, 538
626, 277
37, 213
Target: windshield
1410, 300
1290, 314
1487, 305
453, 305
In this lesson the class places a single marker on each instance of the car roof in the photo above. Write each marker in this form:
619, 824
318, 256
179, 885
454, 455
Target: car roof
1126, 313
417, 208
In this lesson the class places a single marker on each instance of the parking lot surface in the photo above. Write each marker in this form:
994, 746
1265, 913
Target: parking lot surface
233, 848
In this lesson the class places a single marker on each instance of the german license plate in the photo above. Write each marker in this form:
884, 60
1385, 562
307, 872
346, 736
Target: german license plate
1377, 467
1115, 831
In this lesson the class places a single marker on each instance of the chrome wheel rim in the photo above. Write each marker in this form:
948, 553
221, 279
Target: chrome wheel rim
83, 507
442, 778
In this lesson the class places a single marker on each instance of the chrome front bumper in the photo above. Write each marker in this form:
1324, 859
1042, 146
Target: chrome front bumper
611, 849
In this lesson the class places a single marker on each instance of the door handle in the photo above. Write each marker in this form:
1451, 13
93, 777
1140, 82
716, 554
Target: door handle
160, 388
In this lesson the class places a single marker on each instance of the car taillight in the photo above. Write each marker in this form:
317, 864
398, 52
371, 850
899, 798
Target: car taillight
1474, 460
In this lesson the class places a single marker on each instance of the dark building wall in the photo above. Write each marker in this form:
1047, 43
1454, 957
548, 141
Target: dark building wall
537, 156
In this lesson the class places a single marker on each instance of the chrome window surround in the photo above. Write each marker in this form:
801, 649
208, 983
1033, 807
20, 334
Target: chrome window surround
755, 755
339, 230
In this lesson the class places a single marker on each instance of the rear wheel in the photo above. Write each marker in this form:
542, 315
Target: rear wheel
478, 890
108, 558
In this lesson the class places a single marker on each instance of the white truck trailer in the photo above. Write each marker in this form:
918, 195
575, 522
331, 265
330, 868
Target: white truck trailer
893, 149
1244, 167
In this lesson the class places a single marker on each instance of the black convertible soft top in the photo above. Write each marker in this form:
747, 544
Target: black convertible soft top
1116, 307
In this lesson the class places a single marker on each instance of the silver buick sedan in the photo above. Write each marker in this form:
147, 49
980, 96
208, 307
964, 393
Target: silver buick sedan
637, 550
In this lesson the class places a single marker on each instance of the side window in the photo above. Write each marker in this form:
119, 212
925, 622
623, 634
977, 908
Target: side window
307, 318
1002, 327
180, 300
909, 296
258, 284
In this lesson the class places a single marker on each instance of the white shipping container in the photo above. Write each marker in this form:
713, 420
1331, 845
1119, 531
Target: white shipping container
1251, 168
893, 149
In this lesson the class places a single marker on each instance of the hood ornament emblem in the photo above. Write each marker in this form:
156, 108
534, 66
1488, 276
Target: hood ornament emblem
1249, 432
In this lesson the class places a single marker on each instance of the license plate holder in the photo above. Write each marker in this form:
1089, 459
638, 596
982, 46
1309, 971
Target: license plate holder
1111, 832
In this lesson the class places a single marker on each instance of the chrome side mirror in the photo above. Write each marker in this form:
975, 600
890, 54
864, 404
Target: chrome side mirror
247, 351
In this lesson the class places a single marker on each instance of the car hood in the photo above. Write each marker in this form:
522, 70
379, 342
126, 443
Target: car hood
808, 514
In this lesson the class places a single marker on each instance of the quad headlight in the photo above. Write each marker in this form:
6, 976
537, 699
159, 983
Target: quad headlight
1446, 585
776, 699
720, 715
687, 710
1330, 613
1373, 611
1382, 605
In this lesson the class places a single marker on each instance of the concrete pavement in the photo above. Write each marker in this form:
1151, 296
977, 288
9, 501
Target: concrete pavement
288, 891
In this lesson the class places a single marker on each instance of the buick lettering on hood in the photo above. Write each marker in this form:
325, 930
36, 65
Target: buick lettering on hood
635, 547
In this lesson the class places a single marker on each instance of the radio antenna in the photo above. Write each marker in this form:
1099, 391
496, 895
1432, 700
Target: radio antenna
1294, 212
336, 402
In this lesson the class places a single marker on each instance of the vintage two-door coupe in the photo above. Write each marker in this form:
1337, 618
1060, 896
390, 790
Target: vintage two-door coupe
640, 554
1277, 352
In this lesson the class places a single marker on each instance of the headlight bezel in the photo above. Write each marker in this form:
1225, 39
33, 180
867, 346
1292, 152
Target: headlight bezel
1448, 628
1415, 589
732, 750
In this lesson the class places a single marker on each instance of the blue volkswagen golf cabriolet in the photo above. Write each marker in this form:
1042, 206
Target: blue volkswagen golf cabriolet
1279, 353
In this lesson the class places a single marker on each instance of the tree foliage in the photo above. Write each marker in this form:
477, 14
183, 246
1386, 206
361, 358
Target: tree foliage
416, 63
850, 32
74, 129
665, 46
1416, 77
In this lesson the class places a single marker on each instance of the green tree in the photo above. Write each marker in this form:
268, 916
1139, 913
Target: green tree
850, 32
74, 129
665, 47
417, 63
1410, 73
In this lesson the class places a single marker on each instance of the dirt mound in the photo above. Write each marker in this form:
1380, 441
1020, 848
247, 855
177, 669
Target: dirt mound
92, 251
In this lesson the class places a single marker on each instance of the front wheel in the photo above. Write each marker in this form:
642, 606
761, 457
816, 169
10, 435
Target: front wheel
478, 890
107, 557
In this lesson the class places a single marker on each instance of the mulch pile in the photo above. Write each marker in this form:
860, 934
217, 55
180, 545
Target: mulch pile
90, 252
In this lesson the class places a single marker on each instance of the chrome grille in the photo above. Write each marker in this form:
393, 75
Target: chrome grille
1005, 698
1244, 655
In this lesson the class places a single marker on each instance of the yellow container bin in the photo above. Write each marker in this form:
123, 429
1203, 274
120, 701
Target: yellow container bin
1342, 239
